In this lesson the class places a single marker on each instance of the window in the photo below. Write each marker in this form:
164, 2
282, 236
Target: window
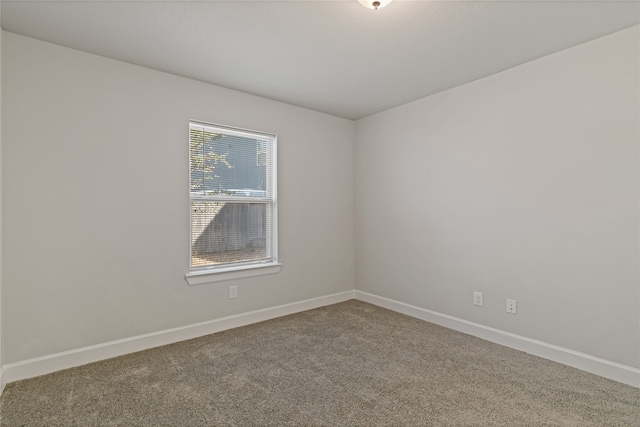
232, 201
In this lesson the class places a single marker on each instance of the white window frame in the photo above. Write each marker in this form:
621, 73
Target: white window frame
216, 273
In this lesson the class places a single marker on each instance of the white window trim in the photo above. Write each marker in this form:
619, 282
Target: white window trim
201, 276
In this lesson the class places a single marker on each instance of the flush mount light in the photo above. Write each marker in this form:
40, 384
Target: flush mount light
374, 4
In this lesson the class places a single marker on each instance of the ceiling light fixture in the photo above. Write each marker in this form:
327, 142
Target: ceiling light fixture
374, 4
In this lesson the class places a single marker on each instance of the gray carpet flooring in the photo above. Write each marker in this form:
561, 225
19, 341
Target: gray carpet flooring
349, 364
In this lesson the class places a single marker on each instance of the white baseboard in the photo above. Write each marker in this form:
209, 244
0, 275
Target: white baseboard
55, 362
72, 358
2, 377
604, 368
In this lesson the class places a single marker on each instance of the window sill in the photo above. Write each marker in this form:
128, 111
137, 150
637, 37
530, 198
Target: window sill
202, 277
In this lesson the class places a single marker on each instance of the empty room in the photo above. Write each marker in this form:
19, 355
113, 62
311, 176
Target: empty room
320, 213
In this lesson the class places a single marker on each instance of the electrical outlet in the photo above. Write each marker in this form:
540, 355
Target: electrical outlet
511, 306
233, 292
478, 299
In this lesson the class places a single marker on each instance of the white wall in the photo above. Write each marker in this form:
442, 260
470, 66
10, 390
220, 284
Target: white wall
521, 185
1, 365
96, 206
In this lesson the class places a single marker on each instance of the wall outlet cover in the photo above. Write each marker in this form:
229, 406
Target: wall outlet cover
478, 299
233, 292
